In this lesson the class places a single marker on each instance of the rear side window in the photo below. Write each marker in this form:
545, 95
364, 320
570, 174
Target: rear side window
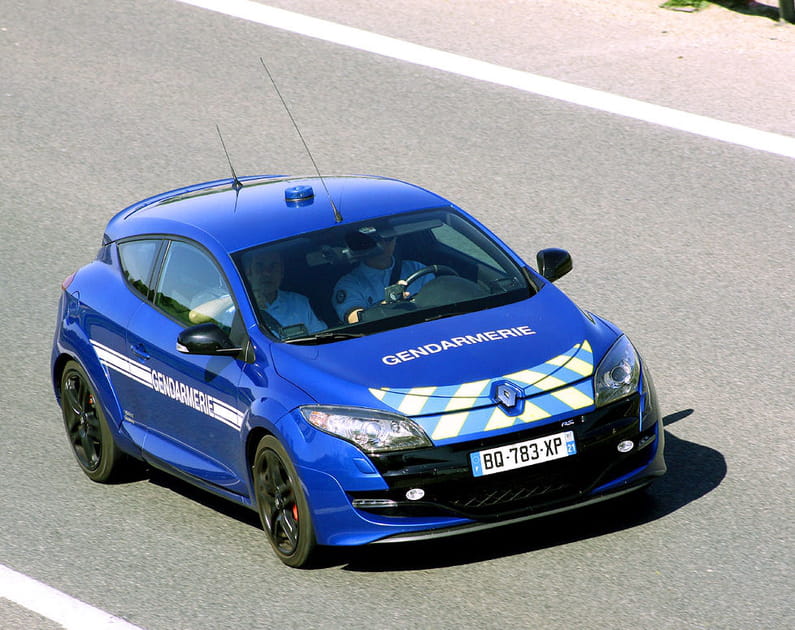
137, 261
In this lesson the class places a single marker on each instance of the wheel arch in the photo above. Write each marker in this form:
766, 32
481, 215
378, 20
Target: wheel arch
266, 416
260, 426
111, 406
252, 441
58, 367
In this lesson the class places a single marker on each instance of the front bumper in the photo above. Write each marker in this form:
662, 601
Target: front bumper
445, 474
454, 501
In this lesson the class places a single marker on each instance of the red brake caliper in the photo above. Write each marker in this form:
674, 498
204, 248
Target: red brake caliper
295, 511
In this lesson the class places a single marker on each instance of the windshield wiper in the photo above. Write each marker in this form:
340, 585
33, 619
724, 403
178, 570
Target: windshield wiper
435, 316
324, 337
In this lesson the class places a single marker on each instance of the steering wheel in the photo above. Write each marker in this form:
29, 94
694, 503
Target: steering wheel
437, 270
396, 297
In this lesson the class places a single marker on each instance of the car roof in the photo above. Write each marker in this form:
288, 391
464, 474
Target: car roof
259, 211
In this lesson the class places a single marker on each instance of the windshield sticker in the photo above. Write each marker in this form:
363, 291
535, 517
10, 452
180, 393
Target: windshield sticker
456, 342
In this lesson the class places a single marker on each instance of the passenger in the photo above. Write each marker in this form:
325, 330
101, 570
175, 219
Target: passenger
265, 271
364, 285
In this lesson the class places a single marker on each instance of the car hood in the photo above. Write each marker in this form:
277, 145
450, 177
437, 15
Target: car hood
532, 360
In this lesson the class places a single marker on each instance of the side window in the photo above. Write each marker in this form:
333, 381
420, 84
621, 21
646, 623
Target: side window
137, 260
192, 288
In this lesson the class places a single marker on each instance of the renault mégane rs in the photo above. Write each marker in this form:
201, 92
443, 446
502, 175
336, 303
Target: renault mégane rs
356, 358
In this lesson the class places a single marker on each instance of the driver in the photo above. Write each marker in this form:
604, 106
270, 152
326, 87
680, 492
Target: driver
364, 285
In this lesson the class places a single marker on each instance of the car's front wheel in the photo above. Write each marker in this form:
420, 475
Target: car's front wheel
86, 427
282, 504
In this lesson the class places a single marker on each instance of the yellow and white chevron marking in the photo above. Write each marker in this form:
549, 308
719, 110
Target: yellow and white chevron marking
573, 397
580, 366
524, 378
449, 425
549, 382
500, 420
468, 395
414, 402
557, 386
446, 427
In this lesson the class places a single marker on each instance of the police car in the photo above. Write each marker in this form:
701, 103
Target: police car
356, 358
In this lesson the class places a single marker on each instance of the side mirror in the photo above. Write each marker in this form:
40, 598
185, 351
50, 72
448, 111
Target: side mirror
205, 339
553, 263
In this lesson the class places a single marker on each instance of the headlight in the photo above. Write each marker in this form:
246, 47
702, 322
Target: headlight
618, 373
372, 431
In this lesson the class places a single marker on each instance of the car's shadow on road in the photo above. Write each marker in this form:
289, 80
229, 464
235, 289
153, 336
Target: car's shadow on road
693, 471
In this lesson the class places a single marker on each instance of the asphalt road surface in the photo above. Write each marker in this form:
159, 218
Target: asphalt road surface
683, 241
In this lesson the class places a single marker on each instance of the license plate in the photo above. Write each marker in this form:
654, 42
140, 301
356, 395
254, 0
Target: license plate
521, 454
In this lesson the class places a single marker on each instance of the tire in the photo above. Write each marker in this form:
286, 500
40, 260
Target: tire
87, 428
282, 505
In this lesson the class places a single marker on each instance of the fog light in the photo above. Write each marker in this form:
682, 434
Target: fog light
415, 494
625, 446
645, 441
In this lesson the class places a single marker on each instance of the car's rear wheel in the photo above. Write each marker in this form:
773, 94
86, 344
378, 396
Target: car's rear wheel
282, 504
86, 427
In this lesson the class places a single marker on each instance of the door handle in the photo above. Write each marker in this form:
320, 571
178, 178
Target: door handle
139, 351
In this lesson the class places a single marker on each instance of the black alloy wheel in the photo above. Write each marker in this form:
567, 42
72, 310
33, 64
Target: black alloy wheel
282, 505
88, 432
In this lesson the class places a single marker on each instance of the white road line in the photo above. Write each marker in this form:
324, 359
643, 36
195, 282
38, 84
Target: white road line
69, 612
500, 75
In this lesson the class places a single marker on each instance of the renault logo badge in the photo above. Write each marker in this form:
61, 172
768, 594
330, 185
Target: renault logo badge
509, 396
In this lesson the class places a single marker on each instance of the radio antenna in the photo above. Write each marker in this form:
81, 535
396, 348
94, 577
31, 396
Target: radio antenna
337, 215
236, 183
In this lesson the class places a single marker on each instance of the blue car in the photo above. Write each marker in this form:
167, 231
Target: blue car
356, 358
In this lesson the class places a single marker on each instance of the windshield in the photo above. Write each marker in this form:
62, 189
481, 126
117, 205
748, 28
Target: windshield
356, 279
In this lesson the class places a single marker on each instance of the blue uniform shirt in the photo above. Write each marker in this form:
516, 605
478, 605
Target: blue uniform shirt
364, 285
291, 308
